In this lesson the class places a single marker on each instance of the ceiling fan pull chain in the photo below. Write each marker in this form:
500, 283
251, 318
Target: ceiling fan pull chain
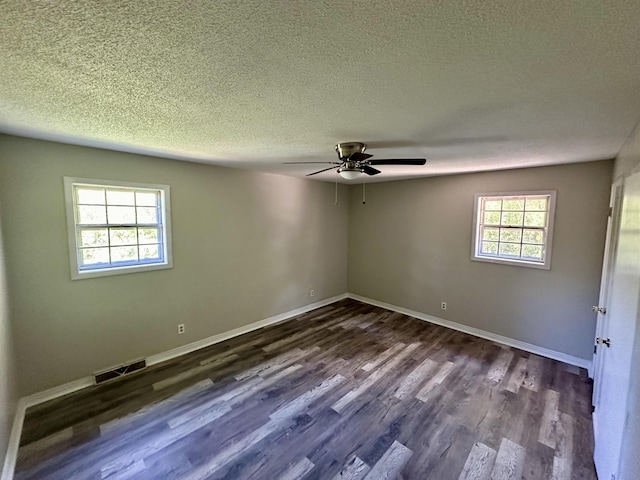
364, 201
336, 192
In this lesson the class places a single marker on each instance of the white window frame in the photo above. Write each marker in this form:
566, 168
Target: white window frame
72, 228
548, 230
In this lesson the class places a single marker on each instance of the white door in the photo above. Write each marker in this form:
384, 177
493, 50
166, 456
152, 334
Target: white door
619, 328
610, 249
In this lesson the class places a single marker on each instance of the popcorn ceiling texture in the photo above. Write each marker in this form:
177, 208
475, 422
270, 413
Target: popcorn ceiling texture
470, 85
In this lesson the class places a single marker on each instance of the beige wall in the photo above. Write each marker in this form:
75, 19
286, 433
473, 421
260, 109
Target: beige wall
628, 161
246, 246
410, 246
8, 391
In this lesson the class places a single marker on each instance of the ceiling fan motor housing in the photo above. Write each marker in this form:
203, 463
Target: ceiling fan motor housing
345, 150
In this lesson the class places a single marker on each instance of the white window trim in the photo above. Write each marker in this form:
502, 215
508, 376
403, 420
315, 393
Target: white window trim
504, 261
165, 198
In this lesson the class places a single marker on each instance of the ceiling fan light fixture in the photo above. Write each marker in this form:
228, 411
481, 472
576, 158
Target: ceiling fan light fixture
350, 173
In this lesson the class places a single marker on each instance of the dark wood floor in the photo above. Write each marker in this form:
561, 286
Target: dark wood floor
347, 391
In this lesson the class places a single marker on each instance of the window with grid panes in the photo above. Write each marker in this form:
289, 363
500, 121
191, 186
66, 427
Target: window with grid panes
514, 228
117, 228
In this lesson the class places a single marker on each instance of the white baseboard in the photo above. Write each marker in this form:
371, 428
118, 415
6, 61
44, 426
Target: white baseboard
192, 347
14, 442
511, 342
57, 392
41, 397
25, 402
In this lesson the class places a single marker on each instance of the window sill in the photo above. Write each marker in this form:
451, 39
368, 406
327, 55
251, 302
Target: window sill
107, 272
515, 263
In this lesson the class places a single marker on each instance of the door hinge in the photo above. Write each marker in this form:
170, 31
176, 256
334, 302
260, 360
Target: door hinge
603, 341
611, 211
596, 308
595, 349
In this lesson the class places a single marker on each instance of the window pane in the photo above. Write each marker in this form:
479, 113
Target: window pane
535, 219
123, 236
493, 205
121, 215
532, 251
514, 227
149, 252
533, 236
124, 254
539, 204
513, 204
510, 235
509, 249
148, 235
94, 238
491, 218
148, 215
489, 248
147, 199
91, 195
490, 234
116, 226
120, 197
88, 215
512, 218
94, 256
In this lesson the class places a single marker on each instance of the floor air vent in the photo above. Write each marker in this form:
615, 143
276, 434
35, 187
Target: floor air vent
120, 371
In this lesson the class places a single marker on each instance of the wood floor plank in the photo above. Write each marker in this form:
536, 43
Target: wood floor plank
563, 458
278, 420
390, 352
150, 409
34, 448
411, 382
194, 372
302, 401
216, 357
134, 470
354, 469
517, 376
534, 373
572, 369
282, 364
159, 442
509, 462
293, 400
296, 337
479, 464
538, 463
261, 386
500, 366
233, 451
373, 378
281, 360
298, 471
391, 463
435, 381
550, 418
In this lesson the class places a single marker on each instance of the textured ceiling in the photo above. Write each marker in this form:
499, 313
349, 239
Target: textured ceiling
470, 85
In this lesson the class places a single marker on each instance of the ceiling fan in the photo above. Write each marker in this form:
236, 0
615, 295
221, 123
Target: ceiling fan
353, 162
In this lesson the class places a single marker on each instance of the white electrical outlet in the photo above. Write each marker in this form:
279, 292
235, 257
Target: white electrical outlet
312, 292
181, 329
443, 305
